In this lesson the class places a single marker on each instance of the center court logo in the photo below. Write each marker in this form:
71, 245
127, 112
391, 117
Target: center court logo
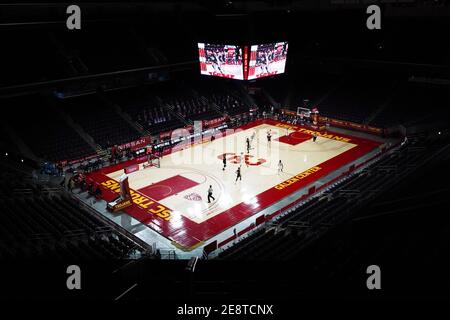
193, 197
197, 149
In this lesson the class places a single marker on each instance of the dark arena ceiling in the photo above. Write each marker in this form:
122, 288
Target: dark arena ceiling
318, 32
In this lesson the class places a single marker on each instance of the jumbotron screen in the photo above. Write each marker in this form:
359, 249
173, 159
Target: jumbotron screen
267, 60
221, 60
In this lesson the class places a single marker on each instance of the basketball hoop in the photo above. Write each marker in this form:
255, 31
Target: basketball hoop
152, 161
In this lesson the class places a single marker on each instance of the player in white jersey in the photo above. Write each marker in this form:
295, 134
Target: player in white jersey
216, 63
242, 159
280, 167
253, 136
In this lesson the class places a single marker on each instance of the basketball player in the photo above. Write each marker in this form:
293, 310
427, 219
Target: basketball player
265, 62
238, 174
215, 59
210, 194
269, 137
242, 158
224, 160
279, 50
230, 55
238, 56
314, 137
253, 136
280, 166
248, 144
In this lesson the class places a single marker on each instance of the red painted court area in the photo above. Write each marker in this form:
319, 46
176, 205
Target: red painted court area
168, 187
294, 138
187, 234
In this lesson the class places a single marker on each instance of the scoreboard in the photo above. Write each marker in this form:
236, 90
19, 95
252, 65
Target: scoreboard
221, 60
267, 60
236, 62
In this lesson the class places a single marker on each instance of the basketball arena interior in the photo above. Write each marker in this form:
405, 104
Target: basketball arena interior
224, 150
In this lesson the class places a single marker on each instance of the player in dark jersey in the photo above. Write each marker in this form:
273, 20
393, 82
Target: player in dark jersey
238, 174
224, 161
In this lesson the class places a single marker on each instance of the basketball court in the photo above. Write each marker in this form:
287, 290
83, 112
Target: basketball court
172, 199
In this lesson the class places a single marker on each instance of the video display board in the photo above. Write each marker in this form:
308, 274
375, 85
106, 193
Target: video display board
221, 60
267, 60
238, 62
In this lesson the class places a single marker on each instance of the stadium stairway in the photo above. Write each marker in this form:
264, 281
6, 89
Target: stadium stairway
212, 109
122, 114
141, 105
53, 141
216, 111
78, 129
170, 108
329, 92
269, 97
248, 99
18, 142
384, 105
39, 221
355, 99
225, 98
105, 127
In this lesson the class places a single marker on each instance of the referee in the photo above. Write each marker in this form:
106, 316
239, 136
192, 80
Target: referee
210, 194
